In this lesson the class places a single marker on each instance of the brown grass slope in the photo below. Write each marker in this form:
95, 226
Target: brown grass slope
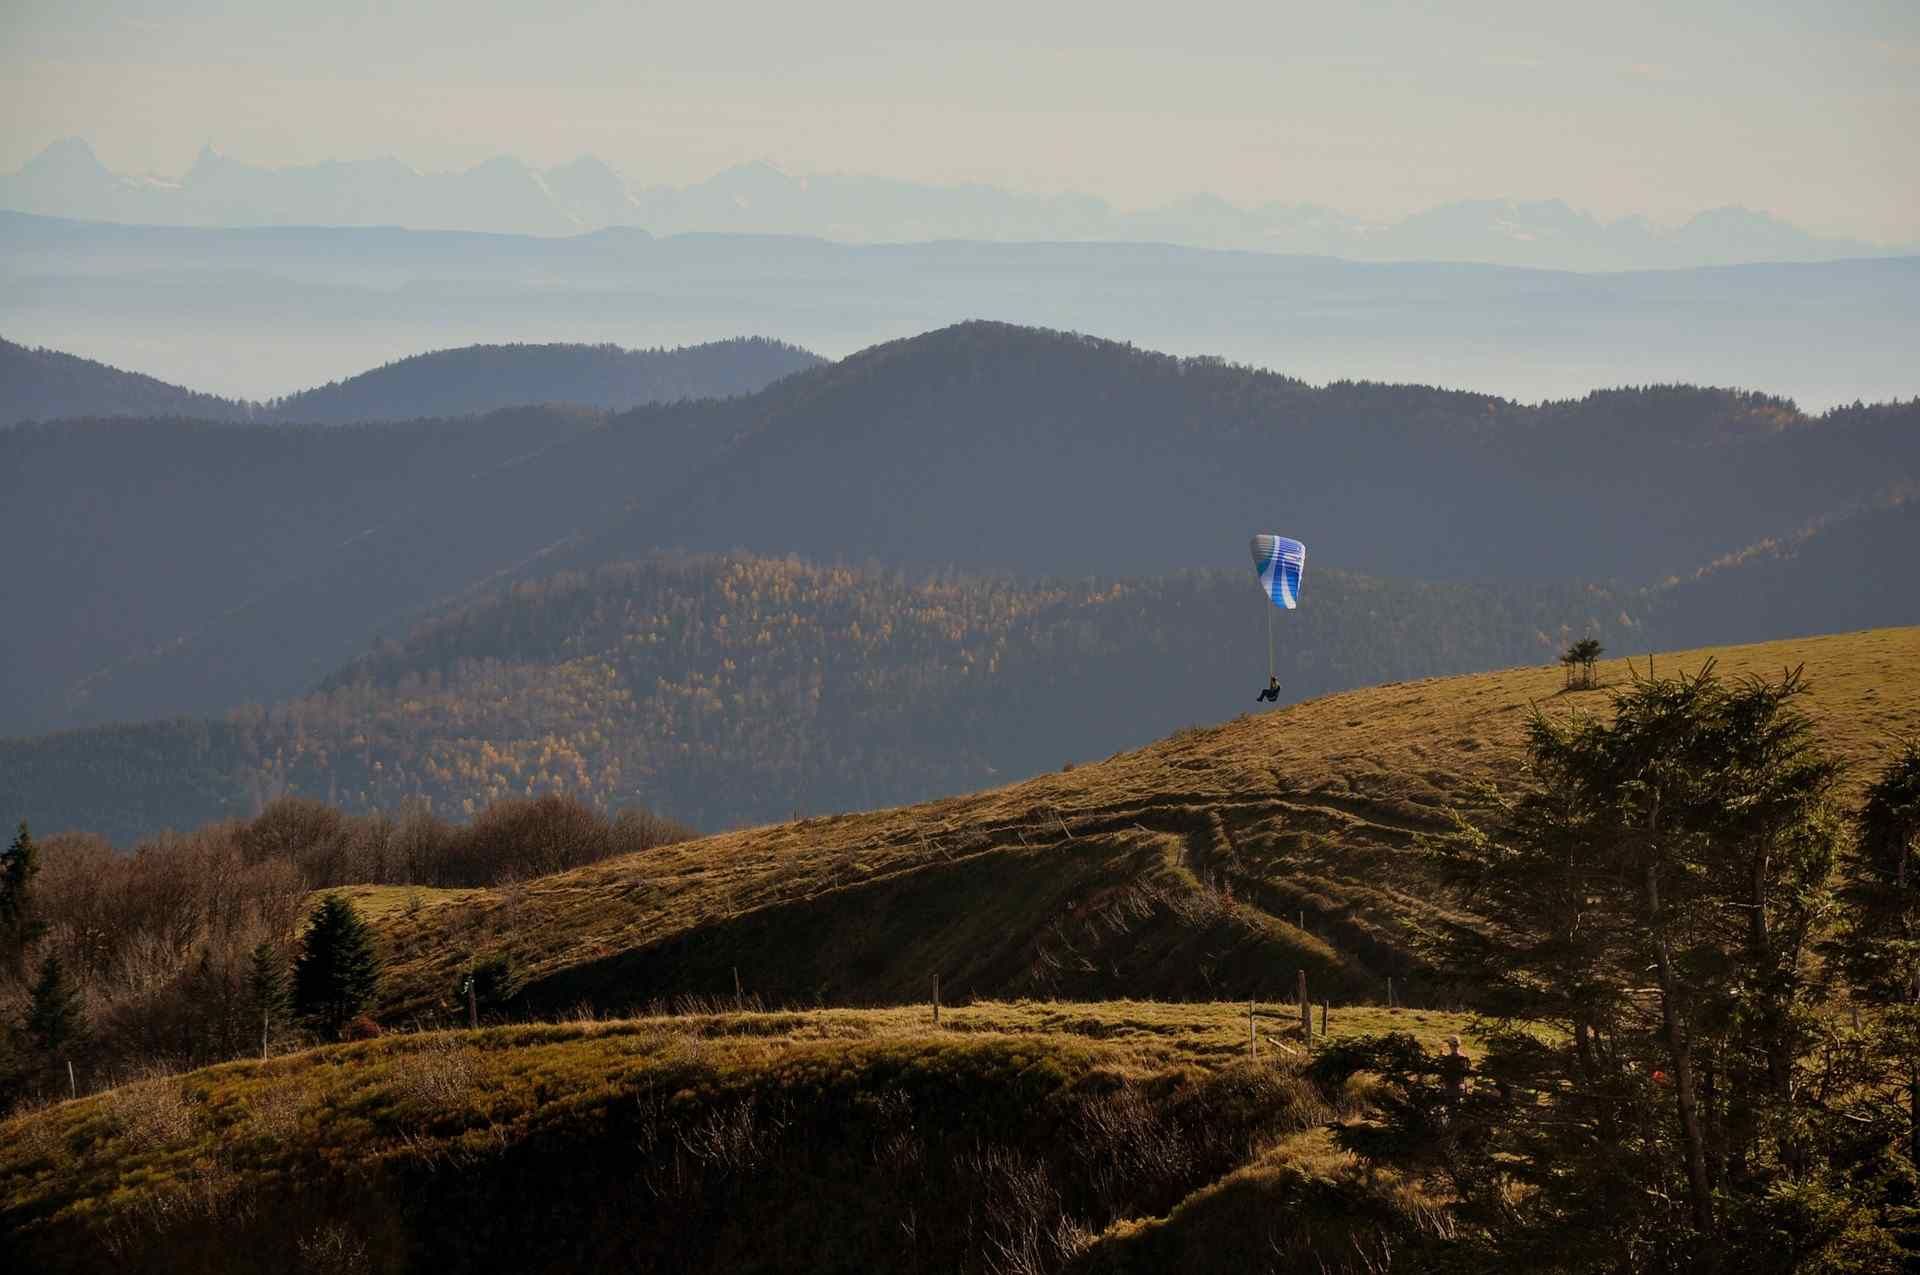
1008, 1139
1211, 864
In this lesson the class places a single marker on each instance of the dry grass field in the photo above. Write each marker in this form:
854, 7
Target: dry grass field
1211, 865
412, 1149
1088, 1101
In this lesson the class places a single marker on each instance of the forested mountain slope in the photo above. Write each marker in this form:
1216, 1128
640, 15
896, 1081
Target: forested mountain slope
44, 385
177, 566
484, 378
1860, 567
187, 568
986, 444
736, 690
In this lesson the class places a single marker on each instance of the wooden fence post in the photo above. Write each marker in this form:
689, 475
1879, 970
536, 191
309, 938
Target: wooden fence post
739, 998
1306, 1012
263, 1034
1390, 991
473, 1002
1253, 1036
73, 1084
1323, 1018
936, 1000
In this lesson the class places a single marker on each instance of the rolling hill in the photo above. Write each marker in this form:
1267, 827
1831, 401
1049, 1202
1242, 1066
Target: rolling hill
1211, 864
485, 378
48, 385
719, 1142
189, 568
663, 682
1835, 574
1067, 1131
183, 567
1101, 457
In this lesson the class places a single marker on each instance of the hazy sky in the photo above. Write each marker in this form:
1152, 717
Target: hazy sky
1808, 110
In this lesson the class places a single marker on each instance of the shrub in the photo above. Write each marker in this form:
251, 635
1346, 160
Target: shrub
360, 1027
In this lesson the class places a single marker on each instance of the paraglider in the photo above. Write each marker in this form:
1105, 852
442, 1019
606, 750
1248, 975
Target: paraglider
1280, 562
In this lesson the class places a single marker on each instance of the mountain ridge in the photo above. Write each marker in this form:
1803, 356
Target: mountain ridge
506, 194
44, 384
248, 313
264, 560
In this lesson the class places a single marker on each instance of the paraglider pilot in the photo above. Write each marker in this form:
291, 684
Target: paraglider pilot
1272, 694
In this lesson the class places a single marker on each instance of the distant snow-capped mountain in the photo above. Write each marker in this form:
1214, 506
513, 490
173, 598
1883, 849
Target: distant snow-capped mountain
505, 195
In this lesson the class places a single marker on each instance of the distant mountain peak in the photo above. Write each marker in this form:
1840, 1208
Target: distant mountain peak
761, 197
67, 157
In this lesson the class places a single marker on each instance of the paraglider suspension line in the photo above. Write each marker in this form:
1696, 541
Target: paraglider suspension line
1269, 644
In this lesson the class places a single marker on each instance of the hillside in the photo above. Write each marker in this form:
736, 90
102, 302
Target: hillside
1849, 571
183, 567
1213, 863
1102, 457
663, 682
1070, 1130
485, 378
867, 1141
196, 568
44, 385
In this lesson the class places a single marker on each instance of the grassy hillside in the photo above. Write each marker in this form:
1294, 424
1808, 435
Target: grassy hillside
663, 683
1067, 1130
1011, 1137
1217, 861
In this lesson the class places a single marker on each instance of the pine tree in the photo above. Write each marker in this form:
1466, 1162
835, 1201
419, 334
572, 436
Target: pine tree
1583, 655
18, 866
1881, 948
1653, 900
55, 1016
336, 972
267, 994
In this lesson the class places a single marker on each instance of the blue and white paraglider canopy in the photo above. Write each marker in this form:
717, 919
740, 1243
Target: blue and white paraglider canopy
1281, 562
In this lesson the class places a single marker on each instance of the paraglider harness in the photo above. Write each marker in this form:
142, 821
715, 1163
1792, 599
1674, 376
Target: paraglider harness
1272, 694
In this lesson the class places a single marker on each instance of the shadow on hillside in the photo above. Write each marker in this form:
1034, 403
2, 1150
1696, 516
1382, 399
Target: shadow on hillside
1100, 919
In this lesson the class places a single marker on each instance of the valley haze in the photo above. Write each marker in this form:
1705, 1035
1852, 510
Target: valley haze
250, 313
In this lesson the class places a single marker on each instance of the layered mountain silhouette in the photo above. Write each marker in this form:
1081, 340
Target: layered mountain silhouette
180, 567
254, 313
481, 378
504, 195
38, 384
